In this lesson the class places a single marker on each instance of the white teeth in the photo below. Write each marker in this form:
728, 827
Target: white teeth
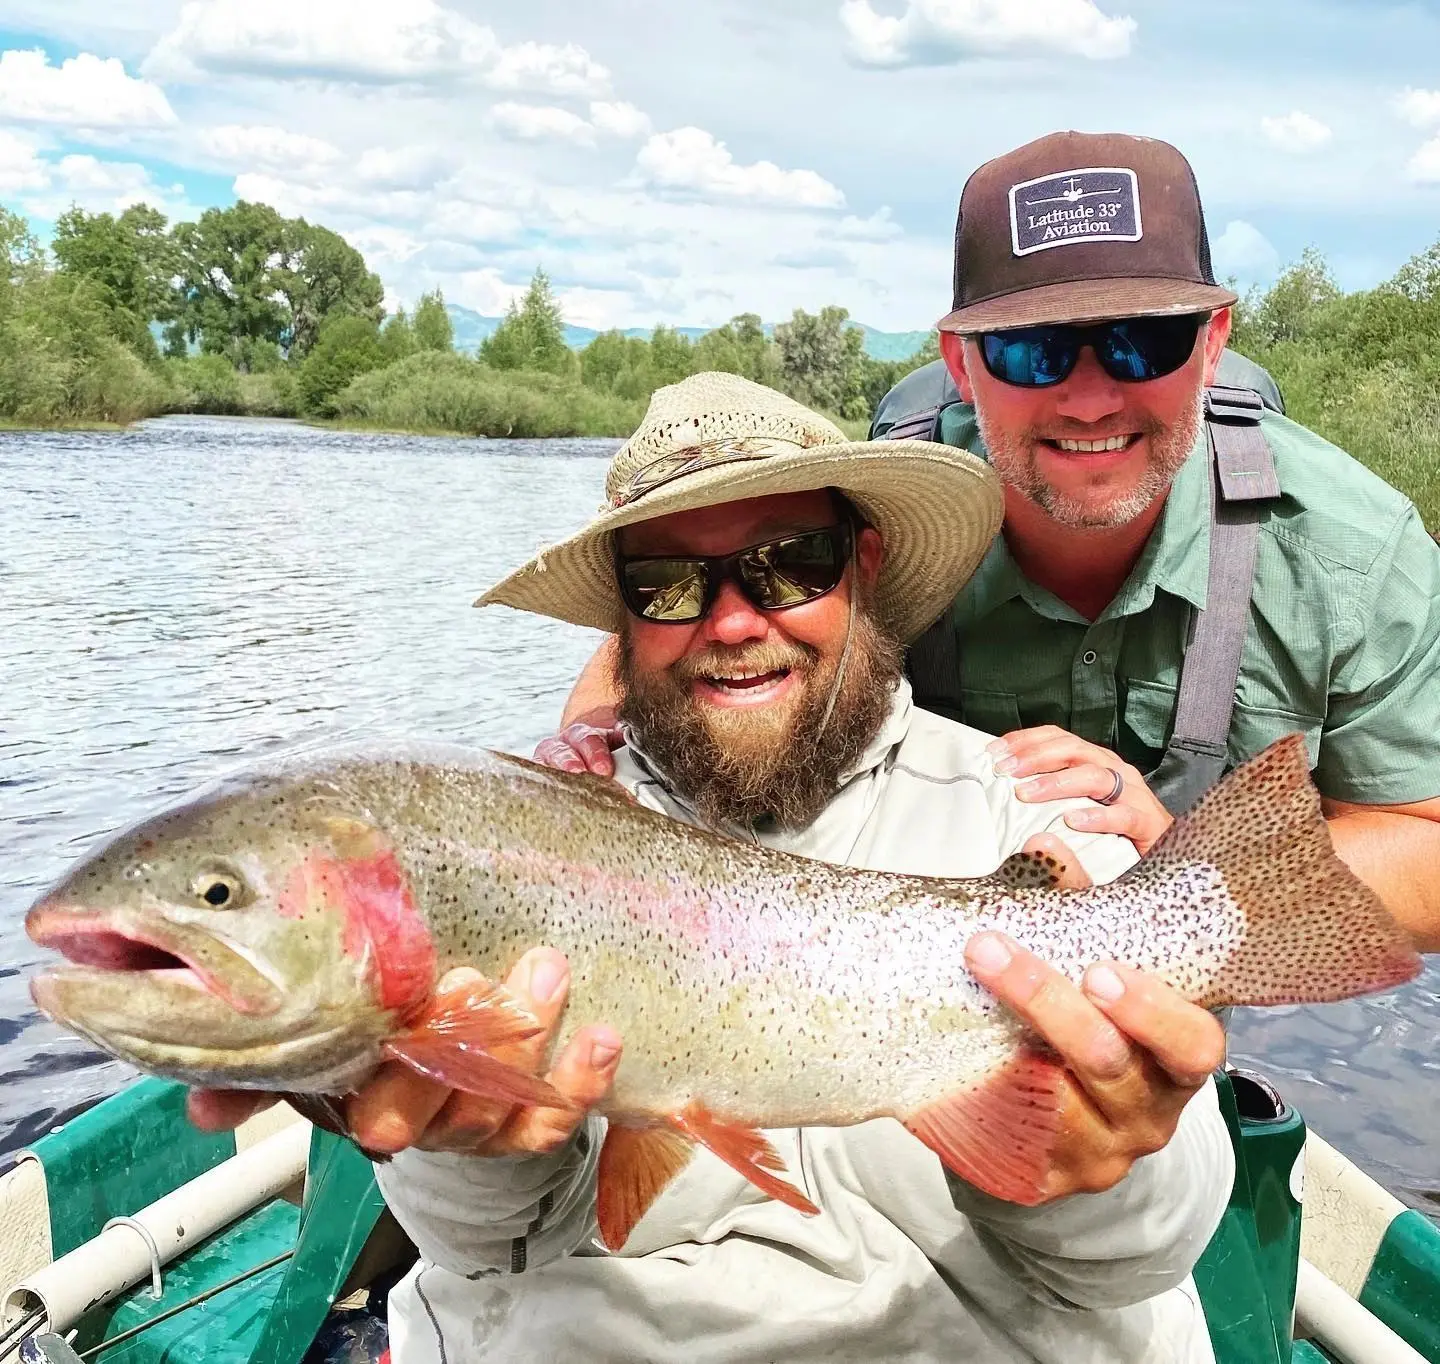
744, 676
1090, 446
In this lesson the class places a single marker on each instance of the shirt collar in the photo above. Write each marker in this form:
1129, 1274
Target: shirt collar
1176, 558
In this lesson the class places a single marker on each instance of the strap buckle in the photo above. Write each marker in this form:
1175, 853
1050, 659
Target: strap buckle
1233, 404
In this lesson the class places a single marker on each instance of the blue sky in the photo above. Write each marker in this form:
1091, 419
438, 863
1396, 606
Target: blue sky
683, 162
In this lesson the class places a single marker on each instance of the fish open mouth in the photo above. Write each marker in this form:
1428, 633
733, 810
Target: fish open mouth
107, 946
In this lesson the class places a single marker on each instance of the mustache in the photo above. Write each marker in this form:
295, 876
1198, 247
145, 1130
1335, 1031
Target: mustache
1124, 425
770, 656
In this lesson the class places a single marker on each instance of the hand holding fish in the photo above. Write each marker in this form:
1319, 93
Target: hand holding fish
1135, 1053
584, 745
1063, 765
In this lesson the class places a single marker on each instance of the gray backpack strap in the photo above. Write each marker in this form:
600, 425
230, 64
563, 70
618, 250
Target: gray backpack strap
932, 662
1243, 482
922, 425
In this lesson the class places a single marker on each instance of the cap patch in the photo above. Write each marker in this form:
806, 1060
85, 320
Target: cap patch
1075, 206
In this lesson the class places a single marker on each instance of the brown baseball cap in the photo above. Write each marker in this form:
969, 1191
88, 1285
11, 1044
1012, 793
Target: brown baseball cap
1081, 227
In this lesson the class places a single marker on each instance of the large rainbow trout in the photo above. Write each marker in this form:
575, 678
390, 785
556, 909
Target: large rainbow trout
286, 928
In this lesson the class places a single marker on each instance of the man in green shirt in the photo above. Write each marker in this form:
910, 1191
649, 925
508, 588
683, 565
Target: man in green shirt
1086, 327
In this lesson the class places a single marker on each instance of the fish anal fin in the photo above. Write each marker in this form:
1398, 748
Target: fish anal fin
745, 1151
636, 1163
451, 1042
1000, 1134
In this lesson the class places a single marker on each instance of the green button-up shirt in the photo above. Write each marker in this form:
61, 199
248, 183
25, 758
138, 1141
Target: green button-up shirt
1344, 639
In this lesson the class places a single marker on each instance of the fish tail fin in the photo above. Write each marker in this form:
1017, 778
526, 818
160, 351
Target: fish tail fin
1309, 929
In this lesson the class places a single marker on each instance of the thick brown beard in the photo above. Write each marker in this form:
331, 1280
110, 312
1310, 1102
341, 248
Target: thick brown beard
738, 768
1013, 459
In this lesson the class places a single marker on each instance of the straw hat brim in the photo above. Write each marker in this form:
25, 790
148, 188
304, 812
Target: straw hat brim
937, 510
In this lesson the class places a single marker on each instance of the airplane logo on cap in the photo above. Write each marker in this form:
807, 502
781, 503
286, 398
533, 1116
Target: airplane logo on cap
1072, 193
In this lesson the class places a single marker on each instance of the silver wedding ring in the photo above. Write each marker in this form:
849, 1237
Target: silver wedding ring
1114, 793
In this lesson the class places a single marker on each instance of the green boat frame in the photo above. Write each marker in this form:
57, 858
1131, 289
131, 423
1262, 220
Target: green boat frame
315, 1246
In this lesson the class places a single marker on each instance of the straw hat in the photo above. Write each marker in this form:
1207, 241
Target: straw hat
716, 438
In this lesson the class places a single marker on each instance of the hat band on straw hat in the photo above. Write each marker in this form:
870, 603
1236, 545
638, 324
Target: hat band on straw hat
692, 458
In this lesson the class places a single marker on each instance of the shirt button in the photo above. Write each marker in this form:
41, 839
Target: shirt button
1089, 656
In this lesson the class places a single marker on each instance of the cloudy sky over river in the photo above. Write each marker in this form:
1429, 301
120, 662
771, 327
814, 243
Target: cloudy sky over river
684, 162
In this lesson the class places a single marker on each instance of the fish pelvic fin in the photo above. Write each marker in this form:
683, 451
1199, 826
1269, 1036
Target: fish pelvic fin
999, 1134
452, 1041
1312, 930
636, 1164
643, 1161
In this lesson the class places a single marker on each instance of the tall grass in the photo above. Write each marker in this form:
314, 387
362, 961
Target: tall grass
433, 392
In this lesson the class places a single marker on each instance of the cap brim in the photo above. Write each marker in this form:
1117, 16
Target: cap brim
937, 510
1087, 300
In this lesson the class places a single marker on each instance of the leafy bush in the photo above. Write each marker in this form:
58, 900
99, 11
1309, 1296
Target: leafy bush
434, 392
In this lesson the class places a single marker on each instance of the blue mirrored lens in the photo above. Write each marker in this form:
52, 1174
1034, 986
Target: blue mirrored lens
1033, 358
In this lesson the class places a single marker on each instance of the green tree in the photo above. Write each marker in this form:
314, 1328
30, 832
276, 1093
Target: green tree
321, 276
397, 337
531, 335
821, 360
433, 328
740, 347
131, 258
672, 357
227, 264
348, 347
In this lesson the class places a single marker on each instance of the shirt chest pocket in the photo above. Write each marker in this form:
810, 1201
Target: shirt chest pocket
1150, 710
993, 712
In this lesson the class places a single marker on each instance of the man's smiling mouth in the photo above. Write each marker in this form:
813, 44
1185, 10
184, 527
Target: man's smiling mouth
744, 679
1106, 445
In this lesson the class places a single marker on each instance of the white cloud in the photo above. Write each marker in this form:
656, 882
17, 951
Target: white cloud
1296, 131
1243, 252
691, 159
1424, 166
82, 92
365, 41
96, 186
1420, 107
252, 147
541, 123
880, 226
618, 119
403, 168
20, 166
938, 32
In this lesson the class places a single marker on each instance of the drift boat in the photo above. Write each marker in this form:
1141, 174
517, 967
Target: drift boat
145, 1241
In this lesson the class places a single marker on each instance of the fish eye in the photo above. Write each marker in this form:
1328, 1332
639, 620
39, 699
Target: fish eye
219, 887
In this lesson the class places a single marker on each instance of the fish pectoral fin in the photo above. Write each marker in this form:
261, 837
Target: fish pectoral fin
636, 1163
744, 1150
451, 1042
321, 1110
1000, 1134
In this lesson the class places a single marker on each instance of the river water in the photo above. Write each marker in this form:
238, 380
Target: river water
192, 593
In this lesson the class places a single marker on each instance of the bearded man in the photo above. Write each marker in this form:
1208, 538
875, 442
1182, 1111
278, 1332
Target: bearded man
762, 574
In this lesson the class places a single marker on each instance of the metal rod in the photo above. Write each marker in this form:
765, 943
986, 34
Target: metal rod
15, 1334
184, 1306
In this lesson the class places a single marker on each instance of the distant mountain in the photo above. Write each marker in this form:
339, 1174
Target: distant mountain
471, 328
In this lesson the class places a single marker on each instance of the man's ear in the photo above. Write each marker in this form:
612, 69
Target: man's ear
952, 351
869, 556
1217, 334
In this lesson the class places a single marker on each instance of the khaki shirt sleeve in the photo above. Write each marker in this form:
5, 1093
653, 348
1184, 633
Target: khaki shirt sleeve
1381, 740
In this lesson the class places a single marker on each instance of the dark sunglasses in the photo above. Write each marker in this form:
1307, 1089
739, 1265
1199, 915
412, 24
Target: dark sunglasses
1131, 350
678, 590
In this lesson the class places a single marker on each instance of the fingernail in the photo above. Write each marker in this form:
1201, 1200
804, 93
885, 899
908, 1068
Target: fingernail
997, 748
989, 952
547, 976
1031, 789
1102, 983
1006, 766
602, 1053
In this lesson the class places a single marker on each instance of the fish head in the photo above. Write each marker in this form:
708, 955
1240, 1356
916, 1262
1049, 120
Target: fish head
261, 936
